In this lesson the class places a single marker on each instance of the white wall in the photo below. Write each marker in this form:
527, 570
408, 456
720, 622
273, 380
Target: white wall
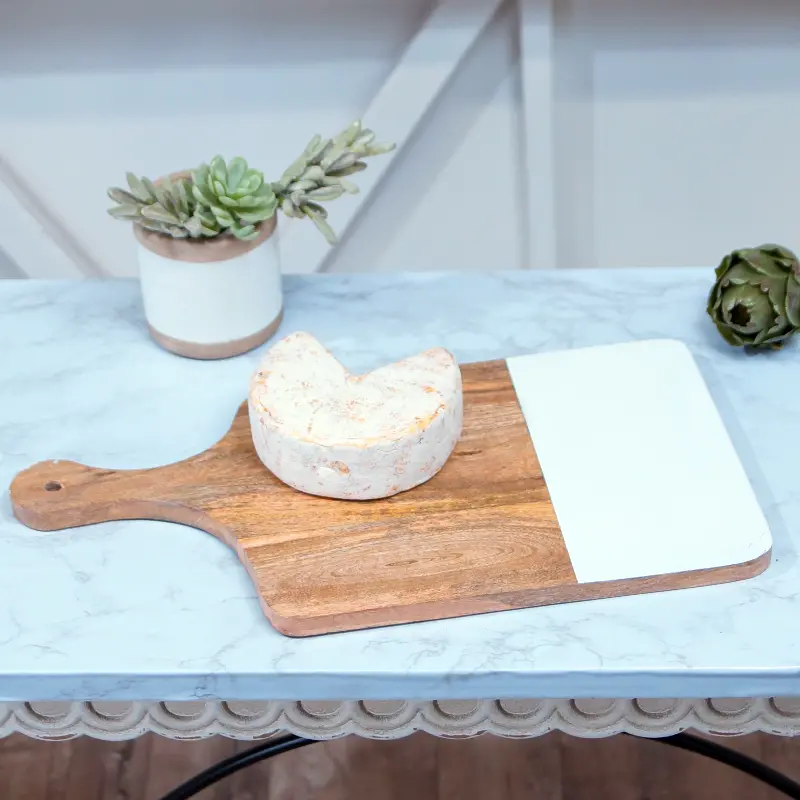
677, 125
674, 123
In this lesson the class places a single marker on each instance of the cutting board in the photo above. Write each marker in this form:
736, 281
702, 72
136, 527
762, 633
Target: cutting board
584, 474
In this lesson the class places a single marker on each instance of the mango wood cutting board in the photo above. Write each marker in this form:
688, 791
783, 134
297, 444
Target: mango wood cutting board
584, 474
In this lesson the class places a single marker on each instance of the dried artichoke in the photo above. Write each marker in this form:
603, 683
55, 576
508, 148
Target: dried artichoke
755, 301
232, 196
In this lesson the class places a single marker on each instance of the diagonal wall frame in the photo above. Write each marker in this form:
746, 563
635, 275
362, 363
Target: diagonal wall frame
36, 240
418, 79
42, 247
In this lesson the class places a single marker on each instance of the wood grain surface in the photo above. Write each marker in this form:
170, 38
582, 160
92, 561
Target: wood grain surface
481, 536
423, 767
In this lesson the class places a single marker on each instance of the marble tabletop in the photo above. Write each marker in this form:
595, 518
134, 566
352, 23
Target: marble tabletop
149, 610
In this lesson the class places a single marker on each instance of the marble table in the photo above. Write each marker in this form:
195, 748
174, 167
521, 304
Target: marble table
117, 629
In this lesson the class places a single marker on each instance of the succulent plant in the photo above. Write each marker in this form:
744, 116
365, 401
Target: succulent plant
167, 207
232, 196
320, 174
755, 301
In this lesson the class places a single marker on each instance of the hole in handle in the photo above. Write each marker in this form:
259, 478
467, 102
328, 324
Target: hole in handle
53, 486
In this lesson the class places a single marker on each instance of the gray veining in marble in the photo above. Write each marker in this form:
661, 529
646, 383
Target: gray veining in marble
148, 610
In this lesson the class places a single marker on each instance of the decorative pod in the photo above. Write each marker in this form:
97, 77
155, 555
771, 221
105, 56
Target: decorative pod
755, 301
208, 260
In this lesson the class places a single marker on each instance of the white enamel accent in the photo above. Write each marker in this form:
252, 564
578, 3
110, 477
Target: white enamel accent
641, 471
215, 302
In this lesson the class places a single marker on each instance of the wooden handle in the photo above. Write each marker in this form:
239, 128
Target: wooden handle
53, 495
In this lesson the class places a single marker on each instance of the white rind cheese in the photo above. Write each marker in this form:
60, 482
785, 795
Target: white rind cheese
326, 432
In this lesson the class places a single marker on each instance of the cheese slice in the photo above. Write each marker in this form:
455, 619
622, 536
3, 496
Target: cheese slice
326, 432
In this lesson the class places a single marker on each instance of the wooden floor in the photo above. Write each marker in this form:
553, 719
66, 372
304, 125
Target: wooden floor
553, 767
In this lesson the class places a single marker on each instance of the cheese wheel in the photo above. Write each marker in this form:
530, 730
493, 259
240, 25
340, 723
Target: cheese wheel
326, 432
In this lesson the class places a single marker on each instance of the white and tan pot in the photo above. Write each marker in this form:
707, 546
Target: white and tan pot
210, 298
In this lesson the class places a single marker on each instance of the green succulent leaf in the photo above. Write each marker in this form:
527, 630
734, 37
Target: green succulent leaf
312, 145
200, 175
160, 214
121, 196
225, 218
380, 148
317, 209
244, 232
351, 170
348, 186
333, 155
236, 171
294, 170
290, 209
322, 224
218, 169
320, 151
325, 193
365, 137
150, 188
203, 196
256, 216
303, 185
182, 192
345, 160
254, 180
125, 211
138, 188
250, 202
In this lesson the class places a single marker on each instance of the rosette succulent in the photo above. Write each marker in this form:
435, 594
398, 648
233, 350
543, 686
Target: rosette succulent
231, 198
755, 301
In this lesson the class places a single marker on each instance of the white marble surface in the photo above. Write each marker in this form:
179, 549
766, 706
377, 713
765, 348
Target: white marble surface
641, 471
146, 610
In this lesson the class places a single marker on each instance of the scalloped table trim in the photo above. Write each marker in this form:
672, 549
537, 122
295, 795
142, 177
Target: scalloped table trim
395, 719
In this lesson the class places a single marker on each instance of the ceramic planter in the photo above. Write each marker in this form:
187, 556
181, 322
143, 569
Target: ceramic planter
210, 298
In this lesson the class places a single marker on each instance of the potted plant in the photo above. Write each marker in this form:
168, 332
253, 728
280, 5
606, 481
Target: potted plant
208, 261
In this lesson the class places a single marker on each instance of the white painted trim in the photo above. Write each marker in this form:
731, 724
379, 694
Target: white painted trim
430, 60
394, 719
536, 68
36, 241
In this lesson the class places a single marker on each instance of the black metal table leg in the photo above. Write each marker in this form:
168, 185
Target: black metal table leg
233, 764
684, 741
761, 772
